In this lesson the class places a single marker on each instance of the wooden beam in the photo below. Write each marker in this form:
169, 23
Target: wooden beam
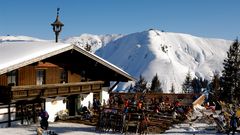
49, 86
21, 113
110, 90
34, 113
9, 114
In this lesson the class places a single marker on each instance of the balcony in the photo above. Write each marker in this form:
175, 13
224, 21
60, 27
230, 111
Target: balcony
49, 90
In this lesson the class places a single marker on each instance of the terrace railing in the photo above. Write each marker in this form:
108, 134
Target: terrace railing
49, 90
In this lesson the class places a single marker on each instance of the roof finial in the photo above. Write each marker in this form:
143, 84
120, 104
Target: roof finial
58, 11
57, 26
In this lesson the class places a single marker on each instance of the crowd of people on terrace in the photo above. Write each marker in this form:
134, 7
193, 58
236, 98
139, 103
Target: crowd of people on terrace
140, 104
228, 119
140, 108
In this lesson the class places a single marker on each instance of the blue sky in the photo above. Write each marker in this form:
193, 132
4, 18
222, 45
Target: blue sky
204, 18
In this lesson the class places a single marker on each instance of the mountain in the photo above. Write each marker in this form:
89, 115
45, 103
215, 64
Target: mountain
169, 55
96, 41
18, 39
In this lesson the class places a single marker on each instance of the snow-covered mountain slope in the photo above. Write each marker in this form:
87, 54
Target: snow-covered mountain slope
18, 39
169, 55
96, 41
147, 53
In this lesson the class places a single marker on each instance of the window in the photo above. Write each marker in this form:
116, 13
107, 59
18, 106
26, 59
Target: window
41, 76
83, 76
12, 78
64, 76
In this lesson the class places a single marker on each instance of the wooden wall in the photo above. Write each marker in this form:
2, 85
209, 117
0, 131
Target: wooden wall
73, 77
27, 75
53, 75
3, 80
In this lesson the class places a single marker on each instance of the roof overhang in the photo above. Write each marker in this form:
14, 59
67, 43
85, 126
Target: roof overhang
104, 63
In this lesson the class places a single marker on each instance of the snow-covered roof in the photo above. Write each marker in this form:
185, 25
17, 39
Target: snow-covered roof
14, 55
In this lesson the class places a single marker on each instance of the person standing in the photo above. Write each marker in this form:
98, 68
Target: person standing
233, 124
96, 104
44, 119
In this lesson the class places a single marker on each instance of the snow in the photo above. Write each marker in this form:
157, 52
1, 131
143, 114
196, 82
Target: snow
169, 55
18, 39
59, 128
196, 128
76, 129
96, 41
13, 53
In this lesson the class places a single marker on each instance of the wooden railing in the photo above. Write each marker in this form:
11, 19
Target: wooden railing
49, 90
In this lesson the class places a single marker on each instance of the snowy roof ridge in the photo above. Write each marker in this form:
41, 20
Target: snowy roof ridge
31, 57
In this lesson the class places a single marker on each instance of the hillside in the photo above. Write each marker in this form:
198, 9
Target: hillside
169, 55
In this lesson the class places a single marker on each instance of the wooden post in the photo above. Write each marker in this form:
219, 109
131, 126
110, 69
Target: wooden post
44, 104
69, 90
9, 114
21, 113
34, 113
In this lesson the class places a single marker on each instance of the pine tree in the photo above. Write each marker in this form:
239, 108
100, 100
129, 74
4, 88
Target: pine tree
156, 85
172, 88
204, 83
215, 87
187, 85
196, 85
130, 89
230, 74
141, 84
238, 88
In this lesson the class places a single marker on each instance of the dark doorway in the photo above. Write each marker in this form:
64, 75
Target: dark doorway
71, 104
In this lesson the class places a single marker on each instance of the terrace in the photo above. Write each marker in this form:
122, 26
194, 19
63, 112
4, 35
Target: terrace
28, 92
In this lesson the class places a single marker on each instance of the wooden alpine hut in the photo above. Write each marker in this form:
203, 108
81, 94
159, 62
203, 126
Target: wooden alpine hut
54, 76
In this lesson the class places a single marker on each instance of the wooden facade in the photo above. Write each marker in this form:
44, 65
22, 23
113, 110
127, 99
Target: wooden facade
26, 87
27, 75
65, 72
27, 92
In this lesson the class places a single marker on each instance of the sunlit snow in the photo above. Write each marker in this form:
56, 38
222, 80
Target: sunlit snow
169, 55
